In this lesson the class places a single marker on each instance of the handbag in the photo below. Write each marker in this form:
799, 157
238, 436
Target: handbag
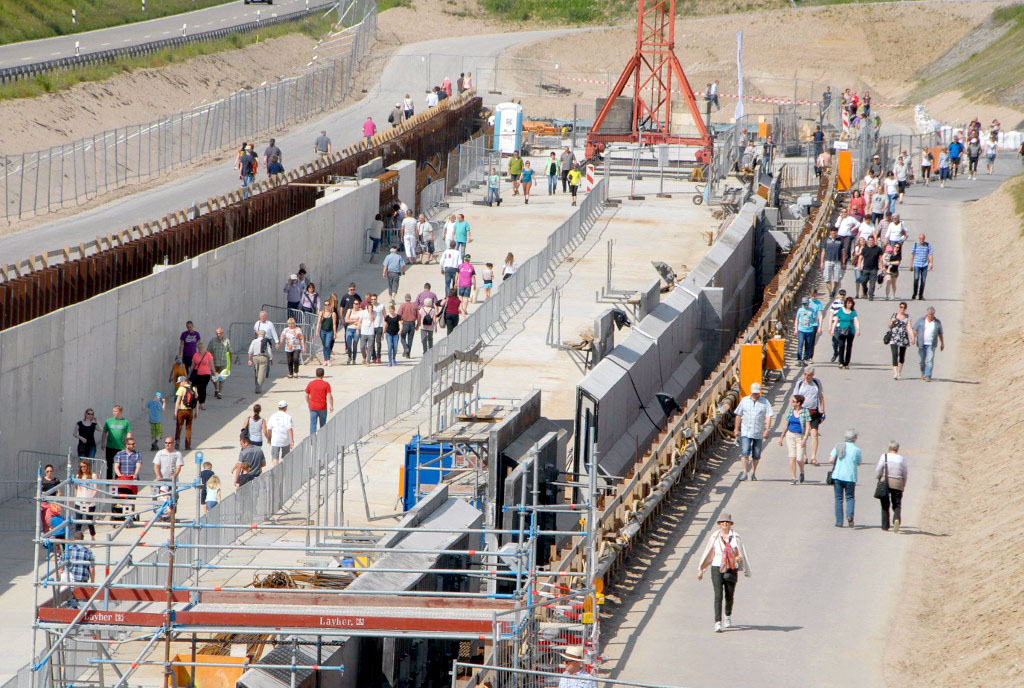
887, 337
840, 454
882, 487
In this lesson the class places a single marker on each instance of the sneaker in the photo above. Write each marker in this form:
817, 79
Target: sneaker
849, 520
793, 481
896, 526
835, 358
753, 477
718, 627
743, 476
801, 477
727, 623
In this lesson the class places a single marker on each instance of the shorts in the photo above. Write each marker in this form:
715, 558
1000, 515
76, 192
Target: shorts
833, 273
514, 177
990, 158
955, 162
794, 448
751, 447
278, 453
464, 291
156, 430
902, 186
210, 505
815, 418
943, 173
488, 285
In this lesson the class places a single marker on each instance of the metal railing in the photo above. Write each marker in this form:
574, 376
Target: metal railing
470, 166
69, 174
434, 197
29, 71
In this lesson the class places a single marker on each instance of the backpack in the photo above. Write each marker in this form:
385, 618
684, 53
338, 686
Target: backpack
428, 319
190, 399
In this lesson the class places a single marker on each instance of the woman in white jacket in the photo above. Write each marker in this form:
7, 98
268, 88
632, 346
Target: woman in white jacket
726, 556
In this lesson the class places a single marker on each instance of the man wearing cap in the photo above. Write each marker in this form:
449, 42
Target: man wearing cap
831, 260
810, 388
279, 431
575, 675
260, 357
753, 415
293, 294
806, 328
393, 268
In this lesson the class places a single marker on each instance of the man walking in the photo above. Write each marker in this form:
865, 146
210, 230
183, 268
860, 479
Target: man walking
870, 263
810, 388
515, 171
395, 118
320, 401
831, 260
280, 432
188, 344
168, 462
393, 268
837, 303
79, 562
322, 145
115, 432
264, 325
923, 262
185, 401
261, 352
714, 96
819, 141
220, 347
128, 462
806, 328
247, 165
551, 170
928, 331
565, 162
272, 154
463, 233
450, 261
293, 295
369, 129
250, 461
753, 415
466, 282
409, 313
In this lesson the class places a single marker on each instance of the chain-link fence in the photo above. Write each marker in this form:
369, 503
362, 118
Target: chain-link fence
469, 167
48, 180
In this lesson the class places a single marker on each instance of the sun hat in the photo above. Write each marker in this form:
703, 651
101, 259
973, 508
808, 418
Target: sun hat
725, 518
573, 653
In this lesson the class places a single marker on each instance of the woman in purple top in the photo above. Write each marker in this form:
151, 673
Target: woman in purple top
188, 345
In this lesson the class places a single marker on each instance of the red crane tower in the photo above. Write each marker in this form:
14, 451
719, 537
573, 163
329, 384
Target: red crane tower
651, 69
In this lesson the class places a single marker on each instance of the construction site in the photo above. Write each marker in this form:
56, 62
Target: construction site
497, 509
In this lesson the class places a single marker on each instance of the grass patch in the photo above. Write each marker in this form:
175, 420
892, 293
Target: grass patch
388, 4
61, 80
24, 20
1017, 194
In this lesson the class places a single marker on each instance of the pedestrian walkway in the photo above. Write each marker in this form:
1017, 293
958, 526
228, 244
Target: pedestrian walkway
818, 606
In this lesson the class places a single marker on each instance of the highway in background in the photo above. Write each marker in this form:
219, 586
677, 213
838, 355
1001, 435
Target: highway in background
219, 17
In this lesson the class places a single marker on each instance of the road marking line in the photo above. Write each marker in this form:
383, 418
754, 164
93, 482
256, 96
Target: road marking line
54, 53
26, 58
102, 44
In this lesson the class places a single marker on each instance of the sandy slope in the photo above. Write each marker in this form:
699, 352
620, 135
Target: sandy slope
962, 618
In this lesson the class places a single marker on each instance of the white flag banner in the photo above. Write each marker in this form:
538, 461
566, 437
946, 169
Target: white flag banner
739, 75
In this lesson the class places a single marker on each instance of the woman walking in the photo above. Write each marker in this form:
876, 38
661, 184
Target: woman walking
493, 188
85, 433
726, 556
294, 344
202, 371
85, 496
362, 319
392, 328
845, 459
327, 327
794, 436
845, 326
893, 469
510, 267
891, 259
309, 302
858, 205
254, 426
901, 335
452, 307
527, 179
858, 276
551, 169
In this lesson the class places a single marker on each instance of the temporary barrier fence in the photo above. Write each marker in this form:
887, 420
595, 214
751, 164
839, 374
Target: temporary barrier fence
130, 255
471, 165
499, 676
66, 175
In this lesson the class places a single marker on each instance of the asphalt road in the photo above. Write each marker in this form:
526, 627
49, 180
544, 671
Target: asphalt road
818, 606
411, 70
219, 17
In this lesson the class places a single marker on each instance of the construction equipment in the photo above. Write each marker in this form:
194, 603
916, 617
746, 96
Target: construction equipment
651, 70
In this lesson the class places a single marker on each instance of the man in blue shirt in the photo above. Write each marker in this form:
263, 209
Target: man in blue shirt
394, 266
155, 407
924, 258
807, 328
462, 233
956, 149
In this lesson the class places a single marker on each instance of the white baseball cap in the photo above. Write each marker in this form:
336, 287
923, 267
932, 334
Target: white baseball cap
755, 388
282, 404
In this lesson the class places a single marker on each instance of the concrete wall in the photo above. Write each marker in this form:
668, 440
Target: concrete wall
118, 347
673, 349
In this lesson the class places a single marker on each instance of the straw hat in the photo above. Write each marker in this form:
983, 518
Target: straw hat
574, 654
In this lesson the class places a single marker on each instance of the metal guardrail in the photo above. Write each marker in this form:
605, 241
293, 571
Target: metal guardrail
674, 454
133, 254
29, 71
48, 180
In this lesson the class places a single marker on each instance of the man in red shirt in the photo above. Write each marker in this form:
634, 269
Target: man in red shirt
319, 399
409, 313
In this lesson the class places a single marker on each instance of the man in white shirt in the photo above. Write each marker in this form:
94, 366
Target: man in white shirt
896, 233
865, 229
280, 432
426, 232
451, 259
264, 325
431, 99
753, 420
845, 226
410, 236
167, 465
261, 355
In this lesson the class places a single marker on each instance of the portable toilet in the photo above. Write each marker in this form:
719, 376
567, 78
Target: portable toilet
508, 127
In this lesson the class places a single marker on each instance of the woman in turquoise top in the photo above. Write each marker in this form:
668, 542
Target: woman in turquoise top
845, 459
845, 326
493, 180
527, 177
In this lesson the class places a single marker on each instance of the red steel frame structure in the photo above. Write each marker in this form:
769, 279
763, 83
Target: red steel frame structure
651, 69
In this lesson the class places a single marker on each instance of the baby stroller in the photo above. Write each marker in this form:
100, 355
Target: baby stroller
125, 491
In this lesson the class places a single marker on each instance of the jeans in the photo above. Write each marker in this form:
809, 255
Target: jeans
892, 203
451, 321
920, 277
375, 246
847, 243
805, 346
552, 183
722, 586
327, 339
427, 340
751, 447
351, 342
293, 361
492, 195
842, 487
408, 332
378, 338
247, 179
450, 274
317, 417
845, 348
870, 281
895, 498
392, 346
927, 354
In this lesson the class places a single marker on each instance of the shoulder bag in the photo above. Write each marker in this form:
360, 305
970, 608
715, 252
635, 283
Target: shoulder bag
882, 487
887, 337
840, 454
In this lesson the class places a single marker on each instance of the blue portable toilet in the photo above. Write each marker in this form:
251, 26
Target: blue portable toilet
429, 465
508, 128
